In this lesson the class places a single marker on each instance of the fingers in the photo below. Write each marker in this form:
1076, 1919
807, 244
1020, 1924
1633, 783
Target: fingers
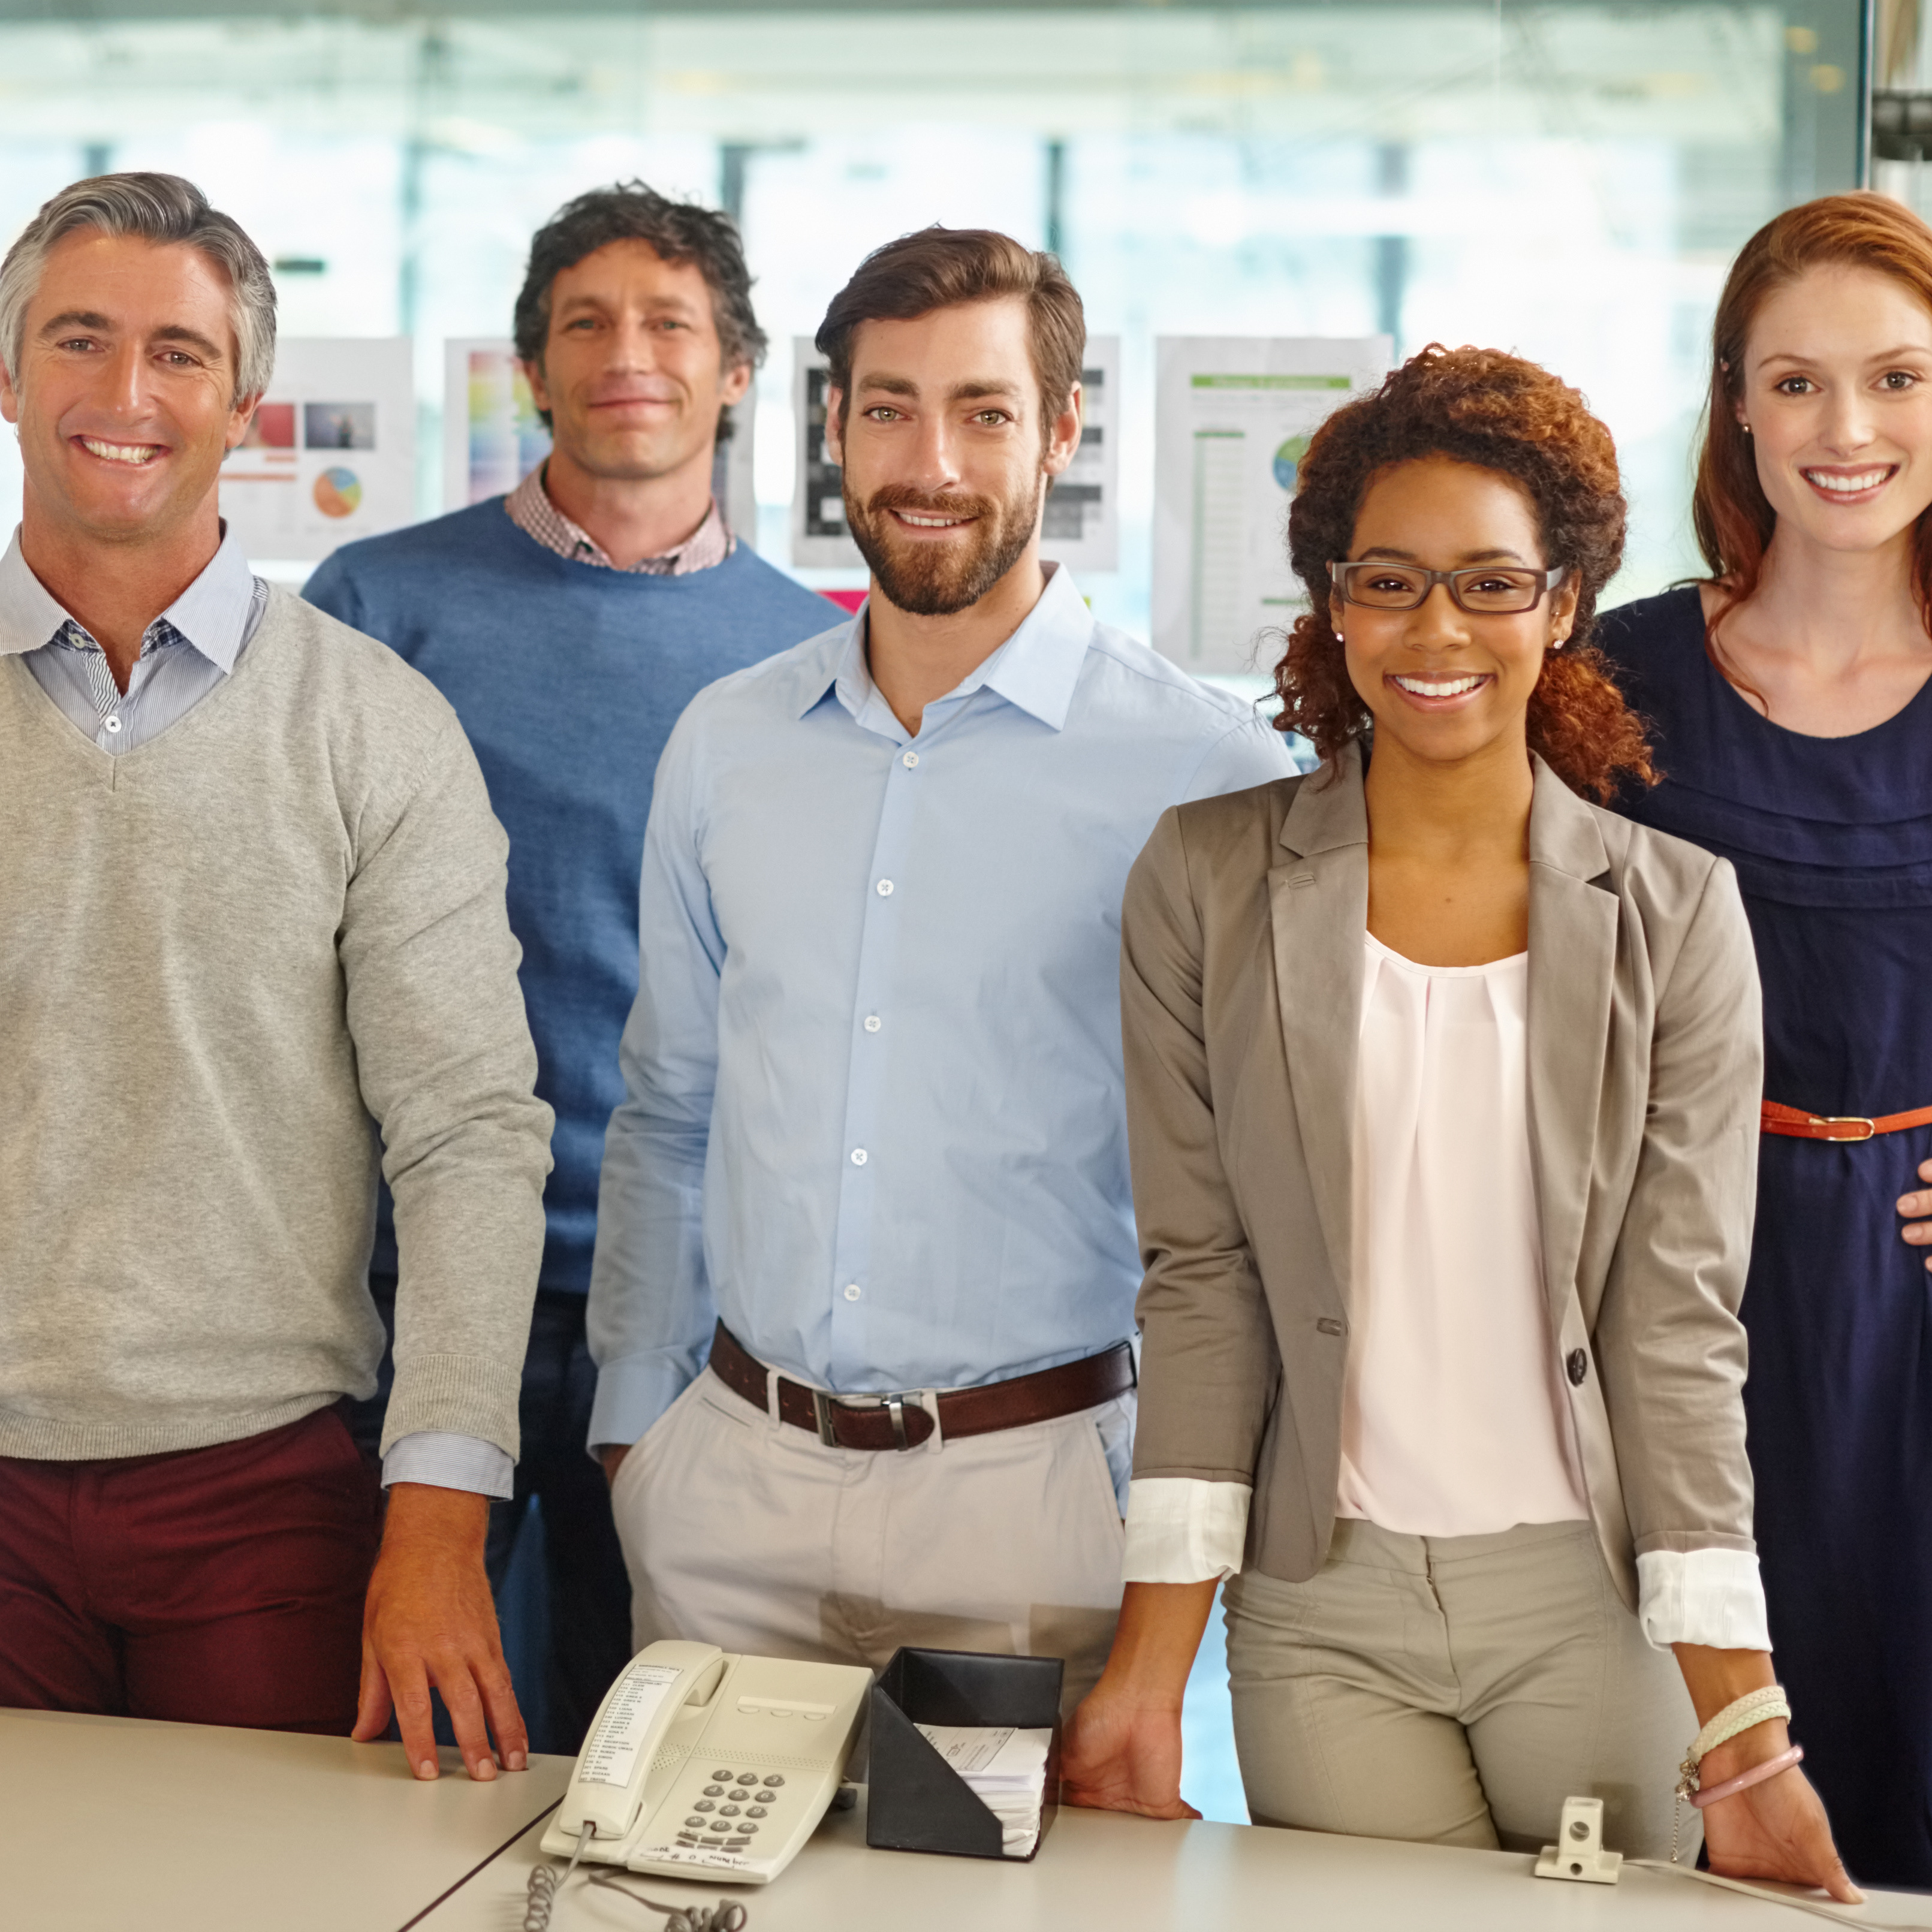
409, 1687
505, 1720
461, 1699
372, 1704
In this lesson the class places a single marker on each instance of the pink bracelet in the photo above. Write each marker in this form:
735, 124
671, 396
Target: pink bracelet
1757, 1774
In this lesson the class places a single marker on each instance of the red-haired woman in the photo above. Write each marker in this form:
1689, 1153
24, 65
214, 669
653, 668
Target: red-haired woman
1442, 1084
1794, 726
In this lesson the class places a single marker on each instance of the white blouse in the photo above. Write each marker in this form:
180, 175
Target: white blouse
1454, 1419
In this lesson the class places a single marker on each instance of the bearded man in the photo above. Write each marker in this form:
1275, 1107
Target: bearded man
865, 1260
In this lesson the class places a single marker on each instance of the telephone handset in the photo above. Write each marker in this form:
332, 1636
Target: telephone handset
703, 1764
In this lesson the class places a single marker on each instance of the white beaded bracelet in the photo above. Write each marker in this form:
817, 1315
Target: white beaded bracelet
1754, 1707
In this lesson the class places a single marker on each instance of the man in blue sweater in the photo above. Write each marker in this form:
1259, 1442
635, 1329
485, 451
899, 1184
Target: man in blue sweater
569, 623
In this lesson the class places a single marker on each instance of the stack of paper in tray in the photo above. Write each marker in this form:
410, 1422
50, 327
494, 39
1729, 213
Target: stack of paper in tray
1007, 1770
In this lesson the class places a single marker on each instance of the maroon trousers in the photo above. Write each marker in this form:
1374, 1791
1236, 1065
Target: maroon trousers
221, 1585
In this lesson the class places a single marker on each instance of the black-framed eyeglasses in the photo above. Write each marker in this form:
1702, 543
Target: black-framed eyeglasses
1485, 590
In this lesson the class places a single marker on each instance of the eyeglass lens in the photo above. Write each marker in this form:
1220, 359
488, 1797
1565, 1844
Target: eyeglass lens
1393, 586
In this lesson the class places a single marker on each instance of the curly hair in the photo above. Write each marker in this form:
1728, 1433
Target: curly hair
1500, 413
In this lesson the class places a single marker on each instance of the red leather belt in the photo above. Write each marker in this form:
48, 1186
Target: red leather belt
1774, 1119
901, 1421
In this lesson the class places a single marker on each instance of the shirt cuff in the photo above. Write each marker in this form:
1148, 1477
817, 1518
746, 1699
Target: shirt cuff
449, 1462
632, 1392
1713, 1597
1181, 1529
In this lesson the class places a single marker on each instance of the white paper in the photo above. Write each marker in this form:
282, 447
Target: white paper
1233, 416
819, 540
1083, 520
610, 1754
492, 436
331, 455
1005, 1768
1082, 523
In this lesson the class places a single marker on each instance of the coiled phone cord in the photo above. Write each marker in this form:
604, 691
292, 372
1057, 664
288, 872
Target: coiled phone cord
540, 1901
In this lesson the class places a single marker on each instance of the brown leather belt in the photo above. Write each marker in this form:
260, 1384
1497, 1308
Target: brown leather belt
1774, 1119
901, 1421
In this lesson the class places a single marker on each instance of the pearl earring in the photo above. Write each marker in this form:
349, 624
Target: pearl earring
1745, 427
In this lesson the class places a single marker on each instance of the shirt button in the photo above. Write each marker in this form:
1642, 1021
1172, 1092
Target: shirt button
1579, 1367
885, 889
873, 1022
858, 1156
910, 759
113, 724
851, 1290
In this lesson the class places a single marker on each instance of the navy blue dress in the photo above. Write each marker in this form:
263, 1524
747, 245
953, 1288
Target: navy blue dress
1832, 841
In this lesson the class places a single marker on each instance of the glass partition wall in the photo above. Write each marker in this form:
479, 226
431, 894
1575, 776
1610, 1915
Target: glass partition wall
1566, 180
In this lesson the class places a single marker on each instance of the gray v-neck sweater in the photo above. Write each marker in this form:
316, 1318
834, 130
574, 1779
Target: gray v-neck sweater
225, 958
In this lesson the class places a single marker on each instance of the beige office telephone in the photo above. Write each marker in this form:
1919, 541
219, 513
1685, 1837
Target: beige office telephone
704, 1765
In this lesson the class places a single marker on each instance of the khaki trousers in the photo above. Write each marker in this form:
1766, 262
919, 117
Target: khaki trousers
752, 1535
1454, 1691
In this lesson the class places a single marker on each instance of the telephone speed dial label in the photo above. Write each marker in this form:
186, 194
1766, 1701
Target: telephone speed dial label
611, 1755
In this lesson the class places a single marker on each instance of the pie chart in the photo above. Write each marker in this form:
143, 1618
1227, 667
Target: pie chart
337, 492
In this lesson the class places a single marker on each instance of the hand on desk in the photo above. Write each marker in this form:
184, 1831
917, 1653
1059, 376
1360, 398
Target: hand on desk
1121, 1756
1917, 1208
1122, 1750
429, 1620
1775, 1830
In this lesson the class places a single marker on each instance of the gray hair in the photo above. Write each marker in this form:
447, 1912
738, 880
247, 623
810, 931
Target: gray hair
155, 208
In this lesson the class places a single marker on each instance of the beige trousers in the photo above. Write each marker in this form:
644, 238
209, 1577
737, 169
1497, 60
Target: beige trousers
752, 1535
1455, 1690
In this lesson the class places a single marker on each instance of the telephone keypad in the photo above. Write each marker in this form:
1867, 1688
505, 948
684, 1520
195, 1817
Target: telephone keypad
747, 1777
714, 1791
755, 1811
721, 1775
727, 1811
704, 1805
773, 1780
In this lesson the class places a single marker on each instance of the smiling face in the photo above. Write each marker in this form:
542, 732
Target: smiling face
125, 393
1445, 685
1837, 391
944, 453
633, 372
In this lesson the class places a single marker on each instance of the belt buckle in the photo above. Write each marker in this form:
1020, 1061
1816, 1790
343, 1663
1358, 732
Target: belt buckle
1847, 1120
821, 1414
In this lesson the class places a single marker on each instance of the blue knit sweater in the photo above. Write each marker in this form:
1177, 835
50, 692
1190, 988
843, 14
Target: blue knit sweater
567, 679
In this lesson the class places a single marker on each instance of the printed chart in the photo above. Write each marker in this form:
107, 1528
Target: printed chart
1233, 419
330, 454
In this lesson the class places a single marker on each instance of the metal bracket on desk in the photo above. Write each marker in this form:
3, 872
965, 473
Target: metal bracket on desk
1580, 1855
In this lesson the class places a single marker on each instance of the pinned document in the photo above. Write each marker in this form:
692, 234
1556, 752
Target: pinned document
1234, 415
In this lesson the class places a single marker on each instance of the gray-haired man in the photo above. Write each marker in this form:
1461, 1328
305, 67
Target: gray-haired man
251, 910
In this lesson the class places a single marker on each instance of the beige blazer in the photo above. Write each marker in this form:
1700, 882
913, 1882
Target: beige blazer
1241, 977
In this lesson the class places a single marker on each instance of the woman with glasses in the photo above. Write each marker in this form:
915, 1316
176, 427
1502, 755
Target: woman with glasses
1788, 693
1442, 1086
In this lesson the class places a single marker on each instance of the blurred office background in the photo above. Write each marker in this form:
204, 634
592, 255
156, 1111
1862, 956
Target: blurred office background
1568, 179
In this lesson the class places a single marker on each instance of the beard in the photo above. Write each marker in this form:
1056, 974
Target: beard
933, 580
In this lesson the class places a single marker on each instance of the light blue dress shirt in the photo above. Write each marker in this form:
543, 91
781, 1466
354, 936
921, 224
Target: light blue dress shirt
187, 652
874, 1115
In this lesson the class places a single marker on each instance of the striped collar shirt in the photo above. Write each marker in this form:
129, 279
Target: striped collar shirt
185, 652
533, 513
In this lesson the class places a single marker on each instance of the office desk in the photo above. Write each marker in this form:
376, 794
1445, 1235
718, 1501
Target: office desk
115, 1825
111, 1825
1101, 1873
